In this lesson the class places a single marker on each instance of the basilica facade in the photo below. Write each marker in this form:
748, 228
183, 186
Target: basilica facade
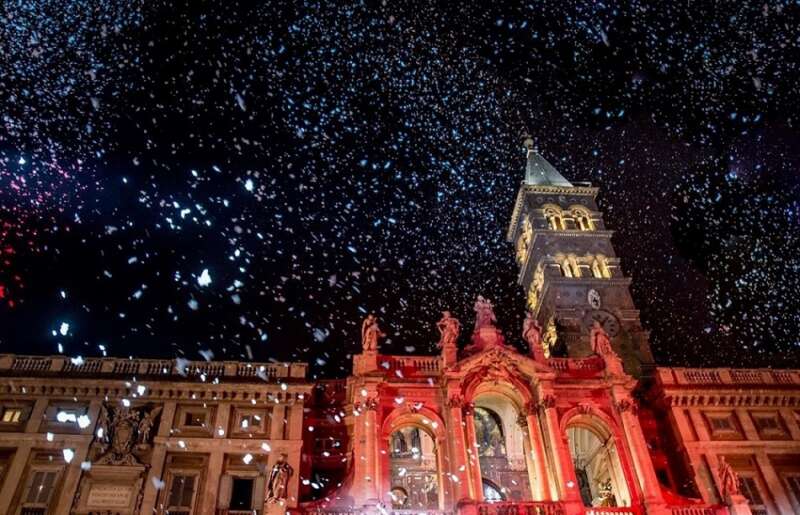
582, 421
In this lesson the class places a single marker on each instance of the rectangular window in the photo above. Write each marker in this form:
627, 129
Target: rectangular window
12, 415
750, 490
181, 492
721, 424
793, 482
40, 487
767, 423
194, 419
241, 494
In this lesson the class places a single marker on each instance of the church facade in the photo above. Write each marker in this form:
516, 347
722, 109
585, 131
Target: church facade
582, 422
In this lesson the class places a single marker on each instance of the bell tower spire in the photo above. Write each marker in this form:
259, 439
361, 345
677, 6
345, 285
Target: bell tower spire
568, 267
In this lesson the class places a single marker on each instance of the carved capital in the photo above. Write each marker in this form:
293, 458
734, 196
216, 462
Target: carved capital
455, 401
468, 408
626, 404
371, 404
531, 408
548, 401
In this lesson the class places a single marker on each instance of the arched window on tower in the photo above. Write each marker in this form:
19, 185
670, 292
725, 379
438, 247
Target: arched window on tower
555, 218
583, 220
566, 269
600, 268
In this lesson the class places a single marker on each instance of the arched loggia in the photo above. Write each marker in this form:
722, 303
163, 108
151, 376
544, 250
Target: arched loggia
412, 467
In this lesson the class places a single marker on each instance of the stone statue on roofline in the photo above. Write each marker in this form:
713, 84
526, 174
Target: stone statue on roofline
449, 330
486, 334
601, 345
370, 333
484, 313
532, 334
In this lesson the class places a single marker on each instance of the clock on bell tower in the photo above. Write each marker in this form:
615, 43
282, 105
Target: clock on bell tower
568, 267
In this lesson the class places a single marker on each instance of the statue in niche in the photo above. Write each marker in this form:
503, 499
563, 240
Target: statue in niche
484, 313
532, 334
606, 491
278, 482
146, 424
370, 333
601, 343
728, 479
550, 337
449, 330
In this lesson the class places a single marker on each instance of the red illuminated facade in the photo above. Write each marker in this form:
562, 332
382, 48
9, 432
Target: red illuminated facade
579, 422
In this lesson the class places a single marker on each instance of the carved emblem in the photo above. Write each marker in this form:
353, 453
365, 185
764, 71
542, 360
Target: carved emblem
584, 408
121, 430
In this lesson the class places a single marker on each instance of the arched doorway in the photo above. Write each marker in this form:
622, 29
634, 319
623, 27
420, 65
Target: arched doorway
414, 477
600, 476
501, 449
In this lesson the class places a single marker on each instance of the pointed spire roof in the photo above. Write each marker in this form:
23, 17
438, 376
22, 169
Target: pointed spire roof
538, 172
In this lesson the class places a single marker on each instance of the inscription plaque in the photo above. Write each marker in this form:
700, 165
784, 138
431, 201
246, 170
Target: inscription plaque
109, 496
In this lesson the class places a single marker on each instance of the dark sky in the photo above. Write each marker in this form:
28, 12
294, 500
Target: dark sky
320, 161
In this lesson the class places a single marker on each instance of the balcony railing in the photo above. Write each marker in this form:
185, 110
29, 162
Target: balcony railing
202, 370
611, 511
577, 365
728, 376
411, 365
521, 508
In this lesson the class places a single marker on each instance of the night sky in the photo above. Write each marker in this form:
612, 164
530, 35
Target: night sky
247, 180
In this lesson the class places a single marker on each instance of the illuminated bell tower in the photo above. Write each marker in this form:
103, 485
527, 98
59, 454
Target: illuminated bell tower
568, 267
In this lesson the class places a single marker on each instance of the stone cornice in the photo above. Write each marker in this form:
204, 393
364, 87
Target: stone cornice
590, 191
155, 390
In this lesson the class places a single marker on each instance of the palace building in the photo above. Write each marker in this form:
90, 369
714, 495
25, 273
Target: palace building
582, 422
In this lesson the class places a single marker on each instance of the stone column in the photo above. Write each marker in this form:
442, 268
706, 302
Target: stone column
644, 470
750, 431
458, 459
371, 452
278, 421
222, 420
157, 459
359, 453
542, 492
473, 463
295, 418
14, 476
208, 493
566, 480
37, 414
72, 476
774, 483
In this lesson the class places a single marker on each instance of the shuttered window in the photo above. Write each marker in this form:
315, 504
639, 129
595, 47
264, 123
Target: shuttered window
41, 486
182, 491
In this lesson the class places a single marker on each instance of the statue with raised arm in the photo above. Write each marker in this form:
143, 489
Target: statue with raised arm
449, 329
278, 481
601, 343
532, 334
728, 479
484, 313
370, 333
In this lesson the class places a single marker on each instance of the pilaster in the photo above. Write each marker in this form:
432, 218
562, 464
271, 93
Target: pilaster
15, 470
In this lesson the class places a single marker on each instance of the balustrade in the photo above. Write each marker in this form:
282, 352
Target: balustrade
207, 370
